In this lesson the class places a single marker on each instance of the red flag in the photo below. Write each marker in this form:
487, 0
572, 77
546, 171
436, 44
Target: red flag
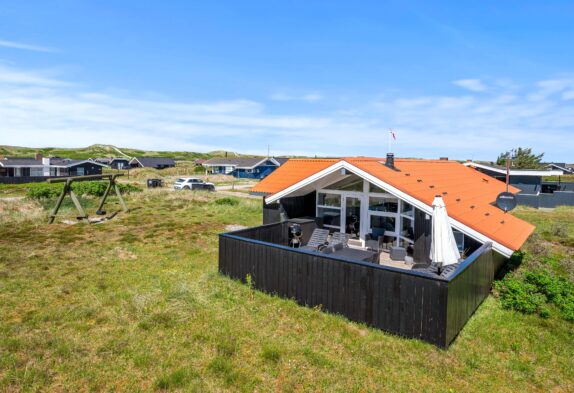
393, 134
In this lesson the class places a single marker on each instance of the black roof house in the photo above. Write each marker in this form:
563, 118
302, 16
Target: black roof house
152, 162
15, 170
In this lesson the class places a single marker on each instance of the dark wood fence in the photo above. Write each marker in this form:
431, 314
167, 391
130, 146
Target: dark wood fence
408, 303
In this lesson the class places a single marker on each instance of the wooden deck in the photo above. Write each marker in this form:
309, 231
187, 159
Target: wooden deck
405, 302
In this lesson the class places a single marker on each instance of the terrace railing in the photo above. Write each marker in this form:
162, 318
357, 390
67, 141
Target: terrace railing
408, 303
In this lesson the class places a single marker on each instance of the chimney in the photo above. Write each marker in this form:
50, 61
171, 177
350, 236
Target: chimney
38, 157
443, 158
45, 160
390, 162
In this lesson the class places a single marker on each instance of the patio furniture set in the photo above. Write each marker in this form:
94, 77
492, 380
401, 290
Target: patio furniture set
337, 244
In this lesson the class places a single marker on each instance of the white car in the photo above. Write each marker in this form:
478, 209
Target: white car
193, 183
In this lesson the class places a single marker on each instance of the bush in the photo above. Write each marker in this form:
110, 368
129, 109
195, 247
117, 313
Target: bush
227, 201
533, 291
92, 188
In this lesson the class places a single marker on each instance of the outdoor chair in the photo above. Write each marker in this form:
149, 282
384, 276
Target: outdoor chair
318, 240
340, 238
332, 248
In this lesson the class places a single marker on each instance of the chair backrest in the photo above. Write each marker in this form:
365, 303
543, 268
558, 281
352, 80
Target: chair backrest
338, 237
318, 237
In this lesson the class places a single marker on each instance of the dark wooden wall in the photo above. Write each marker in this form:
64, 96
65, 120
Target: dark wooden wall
401, 302
89, 169
469, 286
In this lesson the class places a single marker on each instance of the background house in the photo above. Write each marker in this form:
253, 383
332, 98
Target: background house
119, 163
152, 162
244, 167
39, 168
560, 166
114, 162
534, 190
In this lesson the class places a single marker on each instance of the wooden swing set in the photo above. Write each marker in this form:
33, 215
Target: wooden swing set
68, 191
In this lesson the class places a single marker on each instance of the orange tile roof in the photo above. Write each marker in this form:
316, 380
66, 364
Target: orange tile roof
468, 194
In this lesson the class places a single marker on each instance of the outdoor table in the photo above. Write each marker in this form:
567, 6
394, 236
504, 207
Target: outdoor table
353, 253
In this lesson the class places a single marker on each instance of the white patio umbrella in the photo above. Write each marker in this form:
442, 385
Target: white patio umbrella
444, 250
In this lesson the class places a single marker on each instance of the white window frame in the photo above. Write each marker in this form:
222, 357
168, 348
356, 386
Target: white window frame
366, 214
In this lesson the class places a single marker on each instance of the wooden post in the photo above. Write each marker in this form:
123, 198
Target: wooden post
58, 203
103, 200
78, 206
118, 193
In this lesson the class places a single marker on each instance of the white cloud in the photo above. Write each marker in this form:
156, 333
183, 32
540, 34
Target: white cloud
36, 110
309, 97
474, 85
19, 45
9, 75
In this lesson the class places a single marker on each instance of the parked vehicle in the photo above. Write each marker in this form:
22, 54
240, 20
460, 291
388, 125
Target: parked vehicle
193, 183
153, 183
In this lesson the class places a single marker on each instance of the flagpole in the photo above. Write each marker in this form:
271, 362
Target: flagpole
389, 149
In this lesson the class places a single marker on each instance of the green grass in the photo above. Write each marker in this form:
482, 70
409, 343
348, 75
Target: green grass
137, 304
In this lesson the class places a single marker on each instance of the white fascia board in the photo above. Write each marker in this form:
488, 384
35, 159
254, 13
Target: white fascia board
394, 191
225, 165
21, 166
275, 197
514, 172
559, 167
80, 163
273, 160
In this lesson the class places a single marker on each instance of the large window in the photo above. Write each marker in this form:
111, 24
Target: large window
329, 209
325, 199
407, 209
331, 216
355, 206
459, 237
382, 226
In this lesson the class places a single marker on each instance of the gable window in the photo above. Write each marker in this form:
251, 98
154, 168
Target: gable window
350, 183
376, 189
383, 204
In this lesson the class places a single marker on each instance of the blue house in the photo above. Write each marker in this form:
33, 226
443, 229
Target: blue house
244, 167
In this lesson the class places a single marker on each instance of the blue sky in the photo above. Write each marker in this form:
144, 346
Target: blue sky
306, 77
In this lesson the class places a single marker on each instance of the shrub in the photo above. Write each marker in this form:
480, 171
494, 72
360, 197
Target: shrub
227, 201
44, 190
91, 188
533, 291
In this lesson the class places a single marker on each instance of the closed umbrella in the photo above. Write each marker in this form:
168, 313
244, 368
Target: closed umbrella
444, 250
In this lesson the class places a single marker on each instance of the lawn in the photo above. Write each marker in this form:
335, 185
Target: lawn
137, 304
